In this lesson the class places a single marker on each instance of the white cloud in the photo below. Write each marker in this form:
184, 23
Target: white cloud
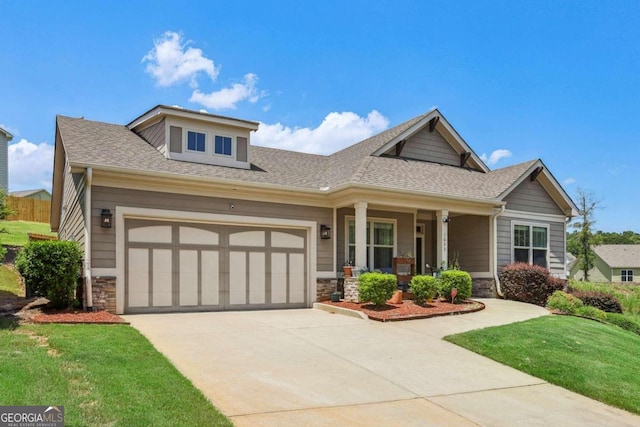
30, 165
569, 181
495, 156
172, 61
227, 98
337, 131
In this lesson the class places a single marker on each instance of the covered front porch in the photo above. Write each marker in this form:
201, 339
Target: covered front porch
370, 234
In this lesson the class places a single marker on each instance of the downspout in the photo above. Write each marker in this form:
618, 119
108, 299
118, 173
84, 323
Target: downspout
87, 239
495, 248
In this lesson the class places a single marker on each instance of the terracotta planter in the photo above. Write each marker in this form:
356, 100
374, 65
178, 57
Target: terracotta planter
347, 271
396, 298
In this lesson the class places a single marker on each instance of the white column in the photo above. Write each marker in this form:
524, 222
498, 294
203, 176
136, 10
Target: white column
361, 234
442, 237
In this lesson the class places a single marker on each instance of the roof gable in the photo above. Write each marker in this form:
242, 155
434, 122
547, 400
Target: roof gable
6, 134
619, 256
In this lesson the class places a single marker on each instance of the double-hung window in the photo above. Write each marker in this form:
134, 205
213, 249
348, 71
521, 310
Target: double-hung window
626, 275
531, 244
196, 141
380, 244
222, 145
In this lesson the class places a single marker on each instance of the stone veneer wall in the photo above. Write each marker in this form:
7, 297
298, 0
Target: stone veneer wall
483, 288
104, 293
351, 289
324, 288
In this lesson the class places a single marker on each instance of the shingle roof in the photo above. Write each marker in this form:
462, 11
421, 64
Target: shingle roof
98, 144
27, 193
619, 256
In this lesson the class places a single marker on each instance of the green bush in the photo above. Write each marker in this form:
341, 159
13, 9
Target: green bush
623, 322
528, 283
564, 302
423, 288
461, 280
3, 253
377, 287
50, 269
591, 312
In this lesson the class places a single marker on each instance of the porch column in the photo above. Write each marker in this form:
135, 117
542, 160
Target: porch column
361, 234
442, 237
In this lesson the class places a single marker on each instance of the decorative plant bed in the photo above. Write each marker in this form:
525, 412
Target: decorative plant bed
103, 317
407, 310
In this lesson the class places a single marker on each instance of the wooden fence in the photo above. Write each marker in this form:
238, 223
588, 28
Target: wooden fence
29, 209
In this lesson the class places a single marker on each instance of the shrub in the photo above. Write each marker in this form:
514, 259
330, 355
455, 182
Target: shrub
423, 288
3, 253
377, 287
564, 302
50, 268
461, 280
591, 312
623, 322
528, 283
601, 300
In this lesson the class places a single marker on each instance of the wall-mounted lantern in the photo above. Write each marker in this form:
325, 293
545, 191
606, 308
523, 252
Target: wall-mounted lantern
325, 231
105, 218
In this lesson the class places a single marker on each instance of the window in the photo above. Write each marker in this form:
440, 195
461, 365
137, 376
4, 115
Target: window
222, 145
196, 141
626, 275
382, 234
530, 244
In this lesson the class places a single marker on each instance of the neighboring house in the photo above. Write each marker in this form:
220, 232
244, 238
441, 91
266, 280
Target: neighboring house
39, 194
5, 138
613, 263
178, 211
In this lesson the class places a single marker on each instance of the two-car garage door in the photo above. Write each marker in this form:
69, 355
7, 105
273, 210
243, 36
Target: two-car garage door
173, 266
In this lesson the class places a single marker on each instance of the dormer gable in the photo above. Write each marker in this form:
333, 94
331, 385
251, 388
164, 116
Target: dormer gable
433, 139
197, 137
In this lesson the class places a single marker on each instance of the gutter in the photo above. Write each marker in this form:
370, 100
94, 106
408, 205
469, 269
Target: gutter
87, 239
495, 248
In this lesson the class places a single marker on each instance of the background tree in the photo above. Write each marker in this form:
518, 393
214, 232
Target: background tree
5, 210
587, 204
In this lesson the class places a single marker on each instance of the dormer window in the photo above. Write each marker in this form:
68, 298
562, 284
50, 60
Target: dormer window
196, 141
222, 145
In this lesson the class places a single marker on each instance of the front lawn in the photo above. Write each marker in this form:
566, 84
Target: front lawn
594, 359
14, 233
103, 375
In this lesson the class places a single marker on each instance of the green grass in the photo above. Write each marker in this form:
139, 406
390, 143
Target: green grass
10, 282
16, 231
594, 359
102, 374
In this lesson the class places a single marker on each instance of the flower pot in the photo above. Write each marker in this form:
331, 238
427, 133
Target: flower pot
335, 296
347, 270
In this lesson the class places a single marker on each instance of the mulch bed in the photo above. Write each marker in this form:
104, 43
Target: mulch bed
407, 310
102, 317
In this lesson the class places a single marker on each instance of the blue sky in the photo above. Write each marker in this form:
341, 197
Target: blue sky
557, 80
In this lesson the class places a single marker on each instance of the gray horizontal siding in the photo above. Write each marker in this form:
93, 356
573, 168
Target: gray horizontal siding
103, 239
155, 135
556, 242
531, 197
469, 237
405, 231
73, 204
432, 147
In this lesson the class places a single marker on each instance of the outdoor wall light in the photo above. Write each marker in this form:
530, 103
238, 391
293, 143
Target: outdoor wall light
325, 231
105, 218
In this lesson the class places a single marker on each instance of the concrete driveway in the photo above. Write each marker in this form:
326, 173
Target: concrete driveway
308, 367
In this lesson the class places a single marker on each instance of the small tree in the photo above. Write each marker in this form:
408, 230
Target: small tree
584, 226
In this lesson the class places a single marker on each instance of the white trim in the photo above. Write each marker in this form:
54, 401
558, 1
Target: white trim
104, 272
326, 275
481, 275
531, 247
371, 219
126, 212
335, 240
534, 216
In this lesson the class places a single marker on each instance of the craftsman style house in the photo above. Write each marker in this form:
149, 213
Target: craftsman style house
178, 211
